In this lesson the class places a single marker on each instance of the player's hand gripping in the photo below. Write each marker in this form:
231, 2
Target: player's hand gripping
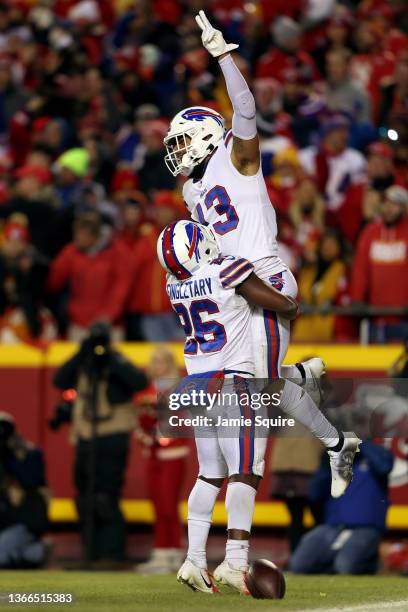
213, 39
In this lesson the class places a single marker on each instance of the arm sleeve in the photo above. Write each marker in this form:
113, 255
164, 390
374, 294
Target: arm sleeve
242, 100
234, 272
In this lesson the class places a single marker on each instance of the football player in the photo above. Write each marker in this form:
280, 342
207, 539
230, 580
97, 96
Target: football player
226, 191
213, 296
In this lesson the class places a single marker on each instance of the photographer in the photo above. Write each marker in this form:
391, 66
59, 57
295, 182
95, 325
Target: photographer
23, 500
102, 421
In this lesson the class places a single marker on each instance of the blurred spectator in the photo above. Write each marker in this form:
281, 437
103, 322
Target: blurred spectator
341, 93
12, 95
23, 500
394, 94
72, 166
274, 126
362, 200
102, 421
336, 36
294, 458
287, 53
381, 261
96, 269
284, 180
150, 314
372, 64
334, 165
150, 158
133, 224
33, 199
307, 218
348, 540
23, 272
319, 285
166, 467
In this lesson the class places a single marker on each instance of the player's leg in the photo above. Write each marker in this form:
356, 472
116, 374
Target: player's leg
240, 503
271, 337
212, 471
244, 454
296, 401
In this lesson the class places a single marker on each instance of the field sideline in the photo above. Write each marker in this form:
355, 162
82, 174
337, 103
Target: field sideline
106, 591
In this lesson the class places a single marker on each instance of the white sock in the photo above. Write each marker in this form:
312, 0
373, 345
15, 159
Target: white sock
200, 508
240, 503
236, 553
296, 403
292, 372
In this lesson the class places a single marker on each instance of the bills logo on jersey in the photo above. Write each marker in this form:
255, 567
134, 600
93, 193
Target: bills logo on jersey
194, 236
199, 114
277, 281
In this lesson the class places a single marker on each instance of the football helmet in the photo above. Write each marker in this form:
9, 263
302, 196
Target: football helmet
184, 246
193, 134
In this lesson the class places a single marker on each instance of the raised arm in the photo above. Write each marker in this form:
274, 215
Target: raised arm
245, 153
258, 294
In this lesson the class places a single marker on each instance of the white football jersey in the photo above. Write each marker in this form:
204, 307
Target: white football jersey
215, 318
238, 209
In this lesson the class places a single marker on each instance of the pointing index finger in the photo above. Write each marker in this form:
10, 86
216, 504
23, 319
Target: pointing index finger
200, 22
204, 19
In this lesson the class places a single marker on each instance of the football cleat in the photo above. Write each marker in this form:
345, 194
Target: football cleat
341, 464
196, 578
234, 578
312, 370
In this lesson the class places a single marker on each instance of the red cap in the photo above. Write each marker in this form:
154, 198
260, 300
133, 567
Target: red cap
124, 178
16, 231
168, 199
42, 174
40, 123
380, 148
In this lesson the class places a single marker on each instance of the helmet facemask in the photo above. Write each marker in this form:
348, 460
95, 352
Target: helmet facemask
179, 148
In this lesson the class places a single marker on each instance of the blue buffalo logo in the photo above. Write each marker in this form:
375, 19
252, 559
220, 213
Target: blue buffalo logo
277, 282
199, 114
195, 236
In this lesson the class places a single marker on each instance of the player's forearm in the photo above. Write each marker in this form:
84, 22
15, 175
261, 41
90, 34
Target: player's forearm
257, 293
242, 100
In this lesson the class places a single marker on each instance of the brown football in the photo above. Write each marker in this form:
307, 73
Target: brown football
265, 581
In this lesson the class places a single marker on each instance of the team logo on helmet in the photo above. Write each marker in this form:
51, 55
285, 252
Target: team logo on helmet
195, 236
199, 114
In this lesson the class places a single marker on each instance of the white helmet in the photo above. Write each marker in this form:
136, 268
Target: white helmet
184, 246
194, 133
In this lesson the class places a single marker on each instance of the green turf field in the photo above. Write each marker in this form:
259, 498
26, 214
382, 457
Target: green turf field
105, 591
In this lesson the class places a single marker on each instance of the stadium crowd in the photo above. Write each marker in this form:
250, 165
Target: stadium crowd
87, 89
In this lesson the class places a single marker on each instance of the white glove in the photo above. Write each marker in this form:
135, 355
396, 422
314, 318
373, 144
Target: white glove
213, 39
